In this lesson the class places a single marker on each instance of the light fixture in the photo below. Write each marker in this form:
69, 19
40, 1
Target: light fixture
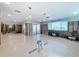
30, 16
9, 14
7, 2
74, 12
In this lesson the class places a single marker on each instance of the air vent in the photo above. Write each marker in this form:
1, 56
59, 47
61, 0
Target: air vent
47, 17
17, 11
30, 7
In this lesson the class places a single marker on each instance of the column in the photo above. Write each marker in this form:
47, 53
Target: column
0, 30
28, 28
44, 29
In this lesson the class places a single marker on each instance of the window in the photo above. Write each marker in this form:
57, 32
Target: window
49, 26
34, 28
59, 26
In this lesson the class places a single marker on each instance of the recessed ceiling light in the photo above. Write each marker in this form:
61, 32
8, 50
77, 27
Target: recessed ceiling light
74, 12
9, 14
7, 2
30, 16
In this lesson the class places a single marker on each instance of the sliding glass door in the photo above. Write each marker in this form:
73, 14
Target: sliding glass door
35, 28
38, 28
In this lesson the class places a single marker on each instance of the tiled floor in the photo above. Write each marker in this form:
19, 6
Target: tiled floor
19, 45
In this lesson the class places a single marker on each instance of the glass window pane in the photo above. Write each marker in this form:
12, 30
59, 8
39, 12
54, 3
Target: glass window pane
38, 28
49, 26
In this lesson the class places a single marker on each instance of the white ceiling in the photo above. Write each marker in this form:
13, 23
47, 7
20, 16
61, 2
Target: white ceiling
55, 10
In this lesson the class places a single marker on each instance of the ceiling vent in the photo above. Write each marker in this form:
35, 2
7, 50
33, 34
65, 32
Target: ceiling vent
30, 7
17, 11
47, 17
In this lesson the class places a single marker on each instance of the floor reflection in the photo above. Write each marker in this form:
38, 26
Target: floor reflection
20, 45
